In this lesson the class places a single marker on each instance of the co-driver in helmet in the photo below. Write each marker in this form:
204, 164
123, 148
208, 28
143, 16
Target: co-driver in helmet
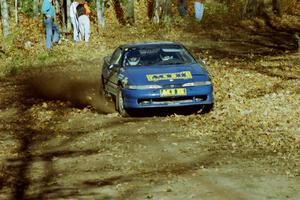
164, 56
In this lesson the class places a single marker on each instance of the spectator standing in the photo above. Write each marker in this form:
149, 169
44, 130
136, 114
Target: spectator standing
74, 20
199, 9
182, 8
83, 12
52, 31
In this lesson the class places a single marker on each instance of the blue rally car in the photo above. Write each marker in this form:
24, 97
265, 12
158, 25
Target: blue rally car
155, 75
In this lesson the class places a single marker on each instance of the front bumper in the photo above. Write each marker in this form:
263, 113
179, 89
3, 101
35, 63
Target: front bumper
135, 99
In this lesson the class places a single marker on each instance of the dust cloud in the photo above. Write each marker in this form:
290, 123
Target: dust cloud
81, 89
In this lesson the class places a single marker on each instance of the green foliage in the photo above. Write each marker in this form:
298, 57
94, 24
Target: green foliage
12, 71
215, 8
26, 7
43, 57
93, 6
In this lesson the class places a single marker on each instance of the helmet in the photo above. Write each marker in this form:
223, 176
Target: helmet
133, 57
164, 56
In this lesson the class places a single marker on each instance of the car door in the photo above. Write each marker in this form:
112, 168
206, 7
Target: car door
112, 71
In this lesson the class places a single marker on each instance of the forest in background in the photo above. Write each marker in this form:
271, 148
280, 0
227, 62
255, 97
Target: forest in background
22, 30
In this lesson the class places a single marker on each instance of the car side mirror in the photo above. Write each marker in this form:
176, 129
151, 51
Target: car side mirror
202, 61
111, 66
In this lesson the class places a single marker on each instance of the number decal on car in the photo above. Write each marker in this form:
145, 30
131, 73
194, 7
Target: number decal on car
170, 76
173, 92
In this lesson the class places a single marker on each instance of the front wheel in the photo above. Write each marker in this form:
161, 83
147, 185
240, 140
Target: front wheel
206, 108
102, 88
120, 103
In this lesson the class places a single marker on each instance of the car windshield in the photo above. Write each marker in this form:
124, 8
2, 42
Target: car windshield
173, 55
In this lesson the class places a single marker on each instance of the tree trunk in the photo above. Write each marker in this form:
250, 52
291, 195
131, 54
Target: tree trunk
130, 11
16, 12
157, 11
255, 8
62, 10
5, 18
68, 15
276, 7
167, 11
35, 9
296, 36
100, 13
250, 9
57, 11
150, 7
119, 11
162, 9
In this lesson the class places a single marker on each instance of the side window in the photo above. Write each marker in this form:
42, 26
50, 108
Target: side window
116, 56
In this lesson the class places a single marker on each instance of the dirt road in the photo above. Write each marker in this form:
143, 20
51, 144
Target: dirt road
60, 139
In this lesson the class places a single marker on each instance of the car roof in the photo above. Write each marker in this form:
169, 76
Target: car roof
149, 44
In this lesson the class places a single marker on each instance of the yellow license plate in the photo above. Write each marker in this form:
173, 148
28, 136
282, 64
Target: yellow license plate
172, 92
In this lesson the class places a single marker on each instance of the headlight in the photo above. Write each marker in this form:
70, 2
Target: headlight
143, 87
200, 83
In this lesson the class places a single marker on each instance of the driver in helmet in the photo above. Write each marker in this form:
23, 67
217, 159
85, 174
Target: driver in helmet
133, 58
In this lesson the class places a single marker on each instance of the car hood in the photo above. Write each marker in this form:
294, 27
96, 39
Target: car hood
173, 74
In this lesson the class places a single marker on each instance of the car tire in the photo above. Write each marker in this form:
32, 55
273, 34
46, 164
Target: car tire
120, 103
102, 88
206, 108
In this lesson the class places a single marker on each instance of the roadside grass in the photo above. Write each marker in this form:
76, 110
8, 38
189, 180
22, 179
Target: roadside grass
21, 50
17, 57
25, 46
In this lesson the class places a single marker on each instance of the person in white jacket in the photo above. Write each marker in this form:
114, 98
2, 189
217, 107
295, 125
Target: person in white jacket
74, 20
83, 12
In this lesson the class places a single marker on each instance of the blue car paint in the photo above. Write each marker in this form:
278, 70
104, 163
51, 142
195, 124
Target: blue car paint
138, 76
131, 97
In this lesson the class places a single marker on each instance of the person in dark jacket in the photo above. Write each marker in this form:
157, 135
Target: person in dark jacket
182, 8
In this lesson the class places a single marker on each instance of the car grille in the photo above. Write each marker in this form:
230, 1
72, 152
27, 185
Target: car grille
172, 100
172, 85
